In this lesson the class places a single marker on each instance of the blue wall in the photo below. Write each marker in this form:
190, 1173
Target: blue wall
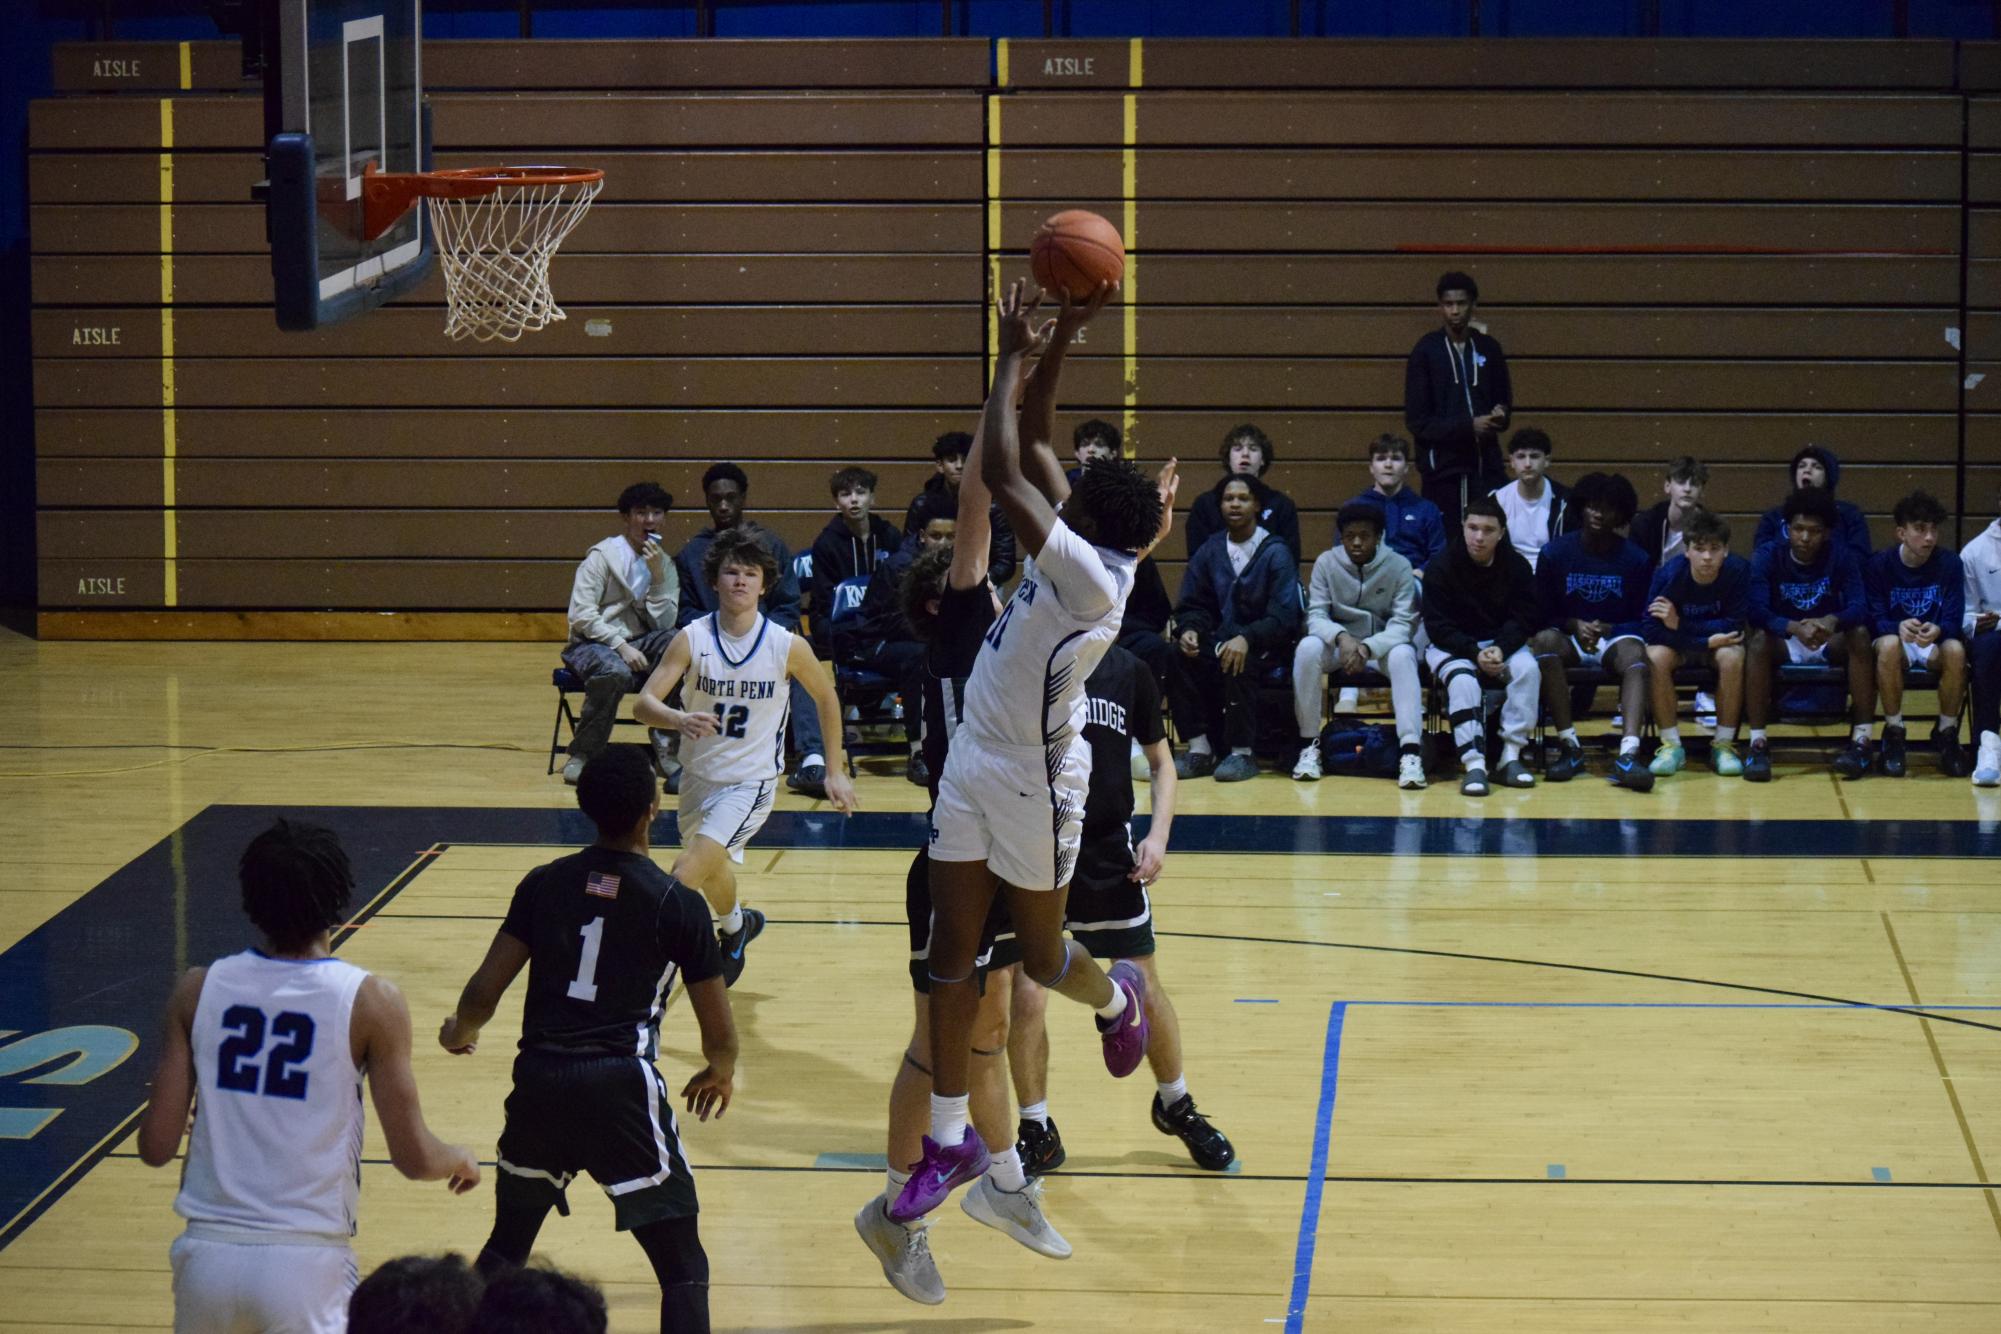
28, 28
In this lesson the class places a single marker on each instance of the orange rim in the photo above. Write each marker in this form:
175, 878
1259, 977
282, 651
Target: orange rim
387, 196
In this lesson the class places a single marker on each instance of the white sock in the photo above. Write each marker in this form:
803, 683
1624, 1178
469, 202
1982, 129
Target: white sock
1005, 1169
1199, 746
1037, 1112
1859, 734
1722, 736
813, 759
732, 921
1757, 735
897, 1181
1628, 745
1473, 759
1893, 720
1671, 736
1116, 1006
1569, 735
1510, 752
949, 1119
1174, 1092
1240, 750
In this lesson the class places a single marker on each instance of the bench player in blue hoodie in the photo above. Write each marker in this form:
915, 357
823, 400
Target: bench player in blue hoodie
1917, 598
1818, 467
1806, 606
1592, 587
1695, 617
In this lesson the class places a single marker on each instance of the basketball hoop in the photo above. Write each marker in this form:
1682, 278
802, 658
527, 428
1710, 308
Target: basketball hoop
497, 228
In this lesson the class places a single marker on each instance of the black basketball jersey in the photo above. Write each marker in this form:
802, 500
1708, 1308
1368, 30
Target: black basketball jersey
1123, 706
963, 617
606, 932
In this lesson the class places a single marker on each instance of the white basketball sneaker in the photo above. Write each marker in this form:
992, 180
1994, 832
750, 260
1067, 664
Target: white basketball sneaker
1308, 767
1017, 1213
1987, 769
905, 1253
1410, 772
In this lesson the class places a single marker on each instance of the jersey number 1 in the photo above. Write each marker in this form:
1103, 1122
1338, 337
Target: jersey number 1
585, 988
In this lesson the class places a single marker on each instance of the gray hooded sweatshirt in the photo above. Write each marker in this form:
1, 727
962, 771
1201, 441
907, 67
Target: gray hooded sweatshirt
1377, 604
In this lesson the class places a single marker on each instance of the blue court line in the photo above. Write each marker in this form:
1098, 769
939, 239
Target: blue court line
1309, 1212
1558, 1172
1880, 1173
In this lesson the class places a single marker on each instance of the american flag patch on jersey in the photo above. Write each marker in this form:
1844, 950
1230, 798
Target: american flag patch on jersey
601, 883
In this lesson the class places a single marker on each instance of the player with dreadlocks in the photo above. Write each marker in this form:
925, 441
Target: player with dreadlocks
277, 1039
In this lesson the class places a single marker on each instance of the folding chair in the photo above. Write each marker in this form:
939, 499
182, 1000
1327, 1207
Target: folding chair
568, 683
865, 694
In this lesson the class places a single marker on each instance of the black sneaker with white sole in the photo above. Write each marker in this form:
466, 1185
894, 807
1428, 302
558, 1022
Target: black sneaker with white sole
735, 942
1040, 1147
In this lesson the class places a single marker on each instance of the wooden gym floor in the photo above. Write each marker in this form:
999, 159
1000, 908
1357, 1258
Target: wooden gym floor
1570, 1059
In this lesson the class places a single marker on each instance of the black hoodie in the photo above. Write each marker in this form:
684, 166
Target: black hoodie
1853, 529
839, 555
1444, 389
1466, 603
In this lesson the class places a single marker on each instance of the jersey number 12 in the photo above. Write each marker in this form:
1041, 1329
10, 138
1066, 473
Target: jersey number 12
731, 719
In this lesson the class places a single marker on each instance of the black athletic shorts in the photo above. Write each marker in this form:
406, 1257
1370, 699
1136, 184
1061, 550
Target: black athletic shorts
1107, 913
917, 911
609, 1116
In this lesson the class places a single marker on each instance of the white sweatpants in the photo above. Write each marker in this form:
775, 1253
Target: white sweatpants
1463, 683
1314, 659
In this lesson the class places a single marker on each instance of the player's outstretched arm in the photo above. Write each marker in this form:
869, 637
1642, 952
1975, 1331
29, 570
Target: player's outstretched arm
381, 1026
972, 538
805, 668
1151, 854
652, 708
1038, 396
505, 958
174, 1078
709, 1091
1027, 509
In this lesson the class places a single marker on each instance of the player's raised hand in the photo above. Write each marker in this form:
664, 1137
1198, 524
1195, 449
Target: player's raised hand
1169, 482
1015, 311
1076, 314
841, 792
465, 1173
709, 1091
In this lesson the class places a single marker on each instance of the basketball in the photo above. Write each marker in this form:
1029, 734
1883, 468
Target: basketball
1074, 251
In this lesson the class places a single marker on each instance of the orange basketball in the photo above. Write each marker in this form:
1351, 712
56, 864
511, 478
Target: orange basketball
1075, 251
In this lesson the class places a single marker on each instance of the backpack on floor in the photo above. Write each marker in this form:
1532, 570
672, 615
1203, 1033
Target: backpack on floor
1368, 751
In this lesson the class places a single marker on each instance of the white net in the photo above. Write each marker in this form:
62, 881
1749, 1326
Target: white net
495, 250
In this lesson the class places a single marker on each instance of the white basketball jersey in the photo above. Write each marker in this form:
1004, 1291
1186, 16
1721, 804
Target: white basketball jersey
276, 1145
1027, 687
746, 685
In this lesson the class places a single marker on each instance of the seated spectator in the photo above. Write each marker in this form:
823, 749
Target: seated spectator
537, 1300
1592, 587
856, 541
1806, 605
1093, 440
940, 499
1361, 616
1238, 615
1412, 525
1917, 603
1981, 626
1479, 610
1662, 530
724, 490
1246, 452
1816, 466
622, 618
879, 639
1538, 507
416, 1294
1456, 401
1696, 607
1143, 631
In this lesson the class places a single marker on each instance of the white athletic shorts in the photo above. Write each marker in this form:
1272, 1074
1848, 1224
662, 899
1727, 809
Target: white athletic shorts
1920, 655
729, 813
231, 1287
1013, 808
1802, 655
1596, 661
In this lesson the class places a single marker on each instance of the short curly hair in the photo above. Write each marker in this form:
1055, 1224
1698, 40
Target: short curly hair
1606, 491
296, 883
1124, 503
741, 545
1248, 434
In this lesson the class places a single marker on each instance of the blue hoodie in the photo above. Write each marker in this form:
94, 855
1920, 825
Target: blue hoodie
1261, 604
1852, 529
1412, 525
1935, 591
1782, 590
1705, 610
1574, 583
